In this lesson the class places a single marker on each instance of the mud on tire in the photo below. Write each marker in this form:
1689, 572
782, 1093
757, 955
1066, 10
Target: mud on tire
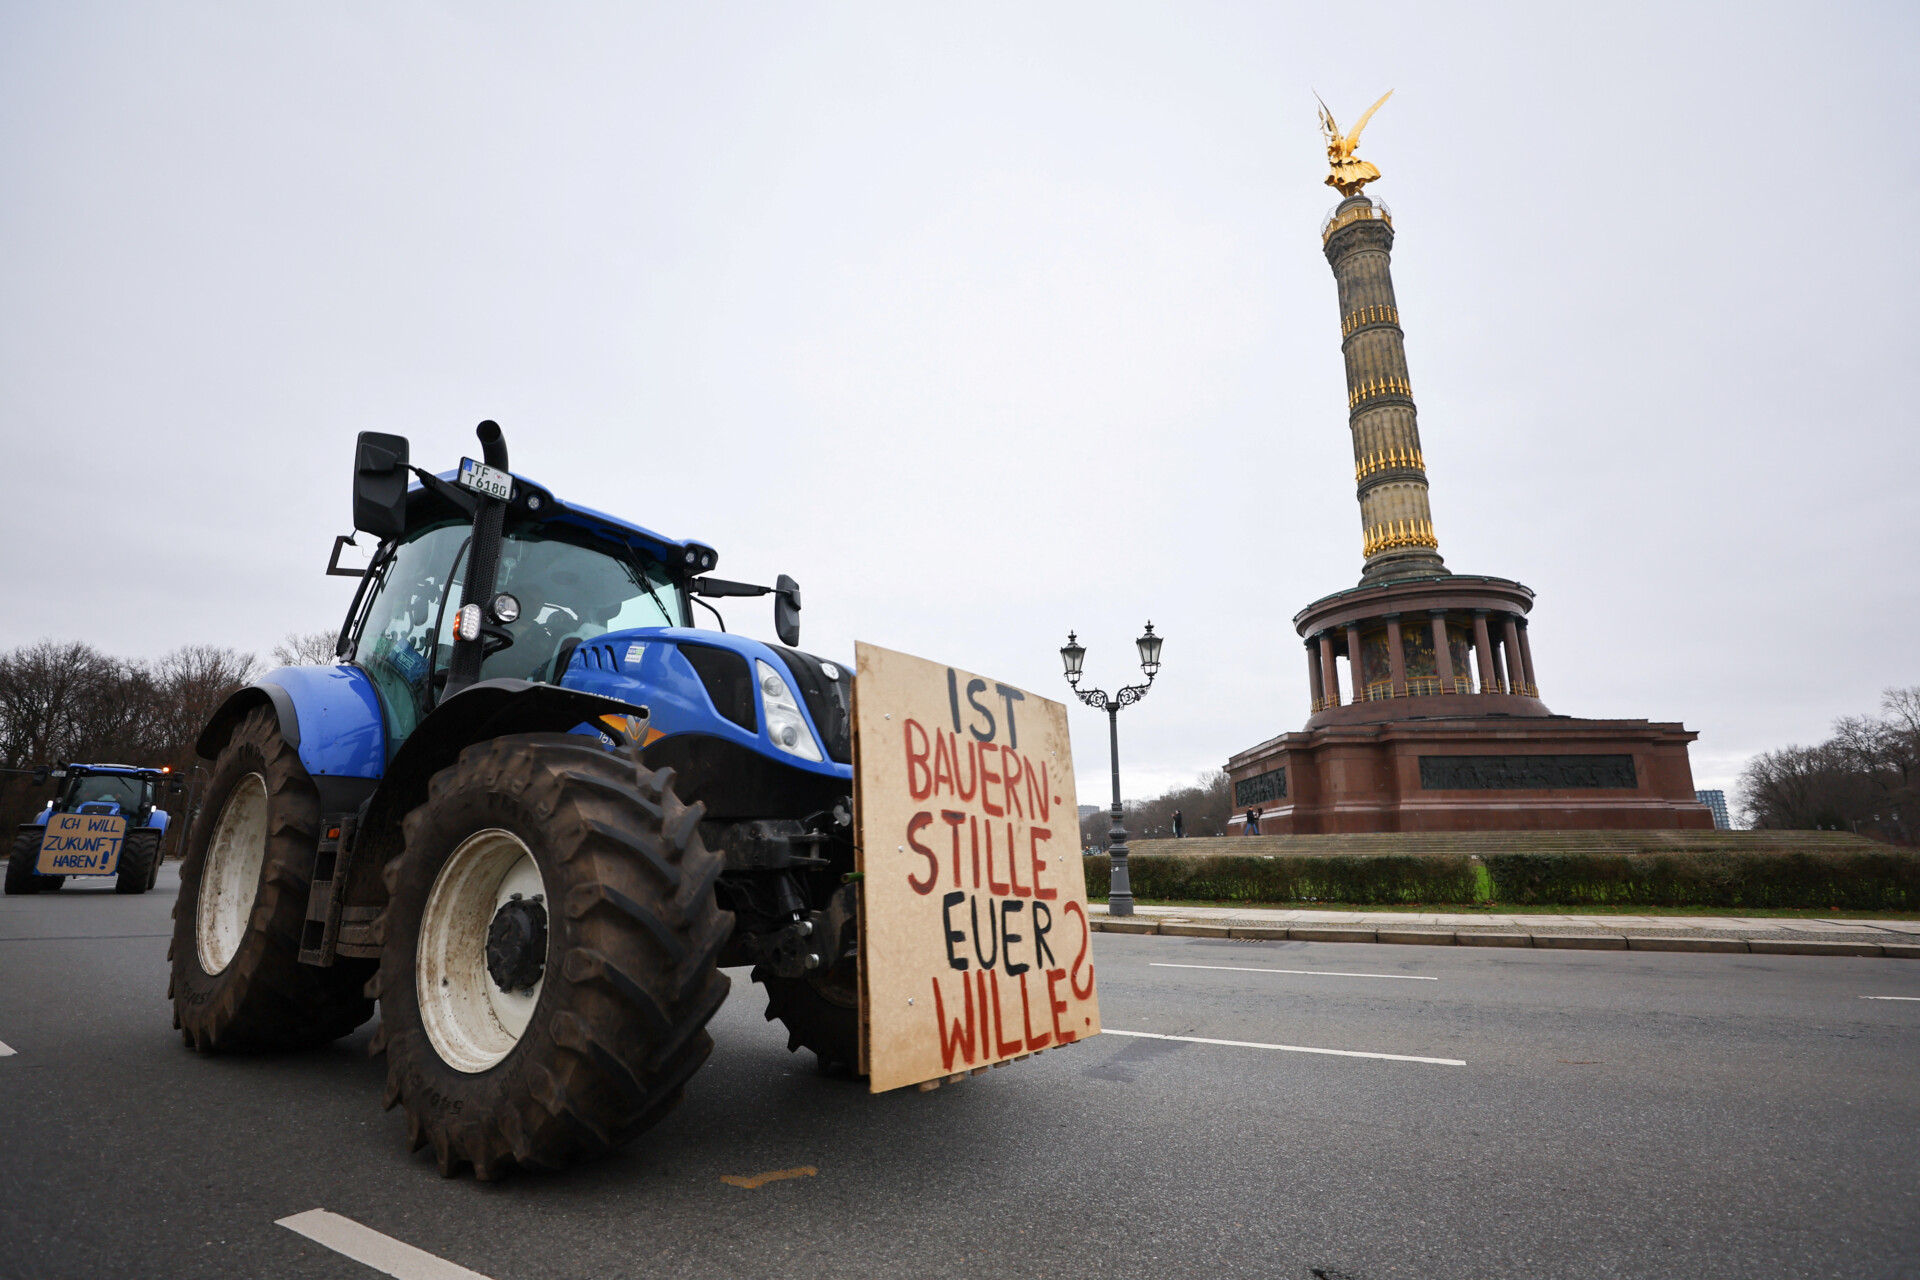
616, 1023
261, 997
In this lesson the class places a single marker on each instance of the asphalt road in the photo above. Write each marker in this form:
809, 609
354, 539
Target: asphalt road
1617, 1114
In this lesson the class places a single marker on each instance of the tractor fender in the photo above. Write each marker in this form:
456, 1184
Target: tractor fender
483, 710
330, 715
157, 821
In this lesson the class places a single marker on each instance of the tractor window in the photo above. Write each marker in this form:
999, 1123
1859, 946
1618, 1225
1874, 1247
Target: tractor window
567, 592
396, 638
125, 792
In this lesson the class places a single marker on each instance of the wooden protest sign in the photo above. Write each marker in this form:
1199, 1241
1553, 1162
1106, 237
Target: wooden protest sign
81, 844
974, 941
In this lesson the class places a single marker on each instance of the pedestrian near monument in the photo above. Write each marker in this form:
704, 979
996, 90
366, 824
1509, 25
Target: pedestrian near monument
1179, 826
1253, 822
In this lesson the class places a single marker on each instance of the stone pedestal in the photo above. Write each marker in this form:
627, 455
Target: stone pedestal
1474, 773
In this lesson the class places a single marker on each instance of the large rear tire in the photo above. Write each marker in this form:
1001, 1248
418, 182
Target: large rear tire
517, 1037
237, 978
21, 877
139, 856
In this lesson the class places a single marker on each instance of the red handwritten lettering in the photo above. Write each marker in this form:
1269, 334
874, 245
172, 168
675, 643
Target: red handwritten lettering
917, 761
987, 777
1034, 1043
1013, 868
1010, 768
995, 886
1002, 1048
920, 822
1059, 1007
1086, 944
954, 1039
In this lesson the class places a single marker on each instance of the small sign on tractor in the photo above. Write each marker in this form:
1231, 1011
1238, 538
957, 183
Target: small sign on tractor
535, 813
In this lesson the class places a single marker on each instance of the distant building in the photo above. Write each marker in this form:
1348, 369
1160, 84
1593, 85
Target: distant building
1716, 801
1088, 810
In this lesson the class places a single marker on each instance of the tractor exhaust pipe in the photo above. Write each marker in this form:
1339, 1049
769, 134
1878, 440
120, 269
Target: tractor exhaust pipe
483, 563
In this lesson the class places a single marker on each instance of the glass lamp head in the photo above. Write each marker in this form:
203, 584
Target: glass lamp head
1149, 646
1073, 655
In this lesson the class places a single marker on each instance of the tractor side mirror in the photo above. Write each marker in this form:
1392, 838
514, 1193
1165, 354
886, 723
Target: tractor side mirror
40, 776
380, 485
176, 787
786, 611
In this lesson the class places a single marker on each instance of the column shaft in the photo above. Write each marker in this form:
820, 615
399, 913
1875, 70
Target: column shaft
1396, 656
1442, 656
1356, 667
1313, 672
1526, 660
1483, 652
1329, 674
1510, 651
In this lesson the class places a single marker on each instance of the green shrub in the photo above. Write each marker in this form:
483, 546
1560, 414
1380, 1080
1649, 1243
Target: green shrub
1865, 880
1879, 879
1392, 878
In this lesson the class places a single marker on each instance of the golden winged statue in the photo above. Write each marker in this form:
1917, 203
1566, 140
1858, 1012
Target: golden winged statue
1349, 174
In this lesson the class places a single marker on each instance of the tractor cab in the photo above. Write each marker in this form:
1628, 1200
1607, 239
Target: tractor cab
121, 790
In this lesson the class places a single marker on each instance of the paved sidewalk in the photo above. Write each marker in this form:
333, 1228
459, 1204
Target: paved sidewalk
1762, 935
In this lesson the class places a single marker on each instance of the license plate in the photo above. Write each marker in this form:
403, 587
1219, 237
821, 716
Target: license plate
81, 844
481, 478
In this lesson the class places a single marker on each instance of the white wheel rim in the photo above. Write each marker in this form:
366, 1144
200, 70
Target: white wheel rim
230, 878
471, 1022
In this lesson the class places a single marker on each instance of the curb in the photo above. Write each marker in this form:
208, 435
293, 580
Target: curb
1543, 941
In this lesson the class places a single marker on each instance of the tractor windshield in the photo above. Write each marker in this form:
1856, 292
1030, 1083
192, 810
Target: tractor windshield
570, 588
99, 787
567, 593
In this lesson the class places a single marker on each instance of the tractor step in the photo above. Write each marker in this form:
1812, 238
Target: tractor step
320, 935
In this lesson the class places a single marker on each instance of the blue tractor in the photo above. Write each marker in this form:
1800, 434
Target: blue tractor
103, 820
533, 811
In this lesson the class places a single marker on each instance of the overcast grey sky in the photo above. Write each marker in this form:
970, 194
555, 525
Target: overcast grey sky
989, 321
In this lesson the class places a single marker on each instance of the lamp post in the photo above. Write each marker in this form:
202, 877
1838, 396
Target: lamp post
1073, 655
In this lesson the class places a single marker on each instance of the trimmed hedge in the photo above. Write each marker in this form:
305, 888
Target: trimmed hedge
1389, 878
1878, 879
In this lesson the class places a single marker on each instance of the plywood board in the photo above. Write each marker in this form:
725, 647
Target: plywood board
975, 942
81, 844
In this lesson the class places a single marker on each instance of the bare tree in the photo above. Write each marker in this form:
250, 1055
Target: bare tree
1204, 809
70, 702
305, 649
1861, 779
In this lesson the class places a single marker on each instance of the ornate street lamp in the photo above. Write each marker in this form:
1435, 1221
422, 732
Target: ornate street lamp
1073, 656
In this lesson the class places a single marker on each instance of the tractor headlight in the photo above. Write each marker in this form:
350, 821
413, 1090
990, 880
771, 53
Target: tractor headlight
785, 725
466, 623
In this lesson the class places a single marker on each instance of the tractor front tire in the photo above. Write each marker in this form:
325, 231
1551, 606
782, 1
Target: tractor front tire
238, 983
21, 877
549, 955
139, 857
819, 1014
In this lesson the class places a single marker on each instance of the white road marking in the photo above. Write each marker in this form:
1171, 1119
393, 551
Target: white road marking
1315, 973
6, 1050
381, 1252
1890, 997
1288, 1048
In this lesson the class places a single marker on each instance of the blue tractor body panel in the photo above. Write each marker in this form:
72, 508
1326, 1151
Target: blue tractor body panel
338, 719
646, 665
